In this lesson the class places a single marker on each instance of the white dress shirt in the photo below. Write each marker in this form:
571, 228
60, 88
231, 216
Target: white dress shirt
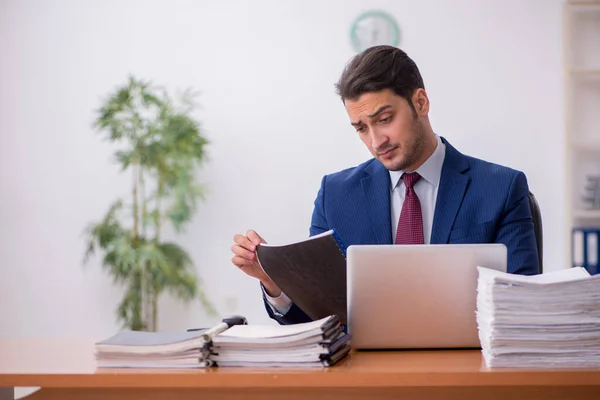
426, 189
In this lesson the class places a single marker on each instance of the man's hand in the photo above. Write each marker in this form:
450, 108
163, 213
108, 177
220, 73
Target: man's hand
244, 250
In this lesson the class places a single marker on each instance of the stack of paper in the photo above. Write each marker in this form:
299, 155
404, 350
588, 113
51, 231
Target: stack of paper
313, 344
134, 349
548, 320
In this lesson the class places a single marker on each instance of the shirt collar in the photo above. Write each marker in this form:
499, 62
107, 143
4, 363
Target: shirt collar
430, 170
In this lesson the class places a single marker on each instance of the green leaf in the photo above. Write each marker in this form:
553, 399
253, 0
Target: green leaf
121, 259
124, 158
102, 234
130, 308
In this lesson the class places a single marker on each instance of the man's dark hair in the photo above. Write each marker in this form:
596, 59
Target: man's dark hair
378, 68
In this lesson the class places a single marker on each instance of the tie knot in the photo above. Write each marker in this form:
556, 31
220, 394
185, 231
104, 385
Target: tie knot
410, 179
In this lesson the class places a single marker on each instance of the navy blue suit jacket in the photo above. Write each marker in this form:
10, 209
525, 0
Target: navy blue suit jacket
477, 202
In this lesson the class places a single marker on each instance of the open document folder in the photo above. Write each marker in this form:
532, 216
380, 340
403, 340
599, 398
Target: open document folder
311, 272
548, 320
313, 344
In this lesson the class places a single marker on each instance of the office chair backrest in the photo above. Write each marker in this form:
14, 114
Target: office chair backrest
537, 227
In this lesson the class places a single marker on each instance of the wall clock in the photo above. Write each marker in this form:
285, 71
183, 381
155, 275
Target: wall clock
373, 28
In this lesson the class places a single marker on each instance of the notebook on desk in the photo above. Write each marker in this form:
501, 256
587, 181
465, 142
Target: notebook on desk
421, 296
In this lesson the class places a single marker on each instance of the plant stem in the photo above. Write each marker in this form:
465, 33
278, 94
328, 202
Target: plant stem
135, 206
149, 311
159, 194
153, 298
155, 309
148, 295
142, 276
136, 321
143, 201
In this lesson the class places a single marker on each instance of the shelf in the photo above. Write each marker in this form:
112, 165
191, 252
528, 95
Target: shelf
583, 37
587, 73
581, 63
586, 145
584, 117
587, 214
585, 77
584, 7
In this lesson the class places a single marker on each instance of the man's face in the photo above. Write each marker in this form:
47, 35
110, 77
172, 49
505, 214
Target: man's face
389, 128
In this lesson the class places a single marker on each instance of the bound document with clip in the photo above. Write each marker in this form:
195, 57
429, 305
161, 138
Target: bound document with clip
313, 344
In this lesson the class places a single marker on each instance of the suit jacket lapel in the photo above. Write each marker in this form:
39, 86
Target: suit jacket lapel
376, 186
453, 185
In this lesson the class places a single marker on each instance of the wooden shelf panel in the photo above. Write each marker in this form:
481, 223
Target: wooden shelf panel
583, 37
584, 7
586, 145
587, 214
585, 73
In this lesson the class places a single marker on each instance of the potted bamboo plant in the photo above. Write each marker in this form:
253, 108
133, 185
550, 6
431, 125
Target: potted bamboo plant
161, 146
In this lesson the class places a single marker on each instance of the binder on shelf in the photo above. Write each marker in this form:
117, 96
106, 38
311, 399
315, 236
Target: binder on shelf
311, 272
585, 251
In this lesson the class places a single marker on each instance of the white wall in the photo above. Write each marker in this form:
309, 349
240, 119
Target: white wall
266, 71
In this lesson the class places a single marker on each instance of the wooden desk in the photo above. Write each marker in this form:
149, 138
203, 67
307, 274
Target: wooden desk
65, 369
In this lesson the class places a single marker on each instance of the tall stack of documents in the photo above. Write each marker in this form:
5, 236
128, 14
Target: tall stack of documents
549, 320
313, 344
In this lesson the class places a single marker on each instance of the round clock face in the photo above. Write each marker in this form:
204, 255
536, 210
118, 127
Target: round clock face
374, 28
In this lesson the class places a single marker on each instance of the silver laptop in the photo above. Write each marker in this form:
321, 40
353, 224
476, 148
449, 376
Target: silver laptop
421, 296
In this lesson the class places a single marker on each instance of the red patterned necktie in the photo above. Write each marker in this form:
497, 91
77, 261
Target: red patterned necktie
410, 224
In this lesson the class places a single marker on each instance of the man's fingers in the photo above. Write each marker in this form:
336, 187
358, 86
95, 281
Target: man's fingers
255, 237
241, 262
243, 249
242, 252
244, 242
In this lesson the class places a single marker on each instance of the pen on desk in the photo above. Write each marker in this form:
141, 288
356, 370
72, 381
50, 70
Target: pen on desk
225, 324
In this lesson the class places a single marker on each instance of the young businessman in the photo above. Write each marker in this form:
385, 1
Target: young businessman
417, 188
